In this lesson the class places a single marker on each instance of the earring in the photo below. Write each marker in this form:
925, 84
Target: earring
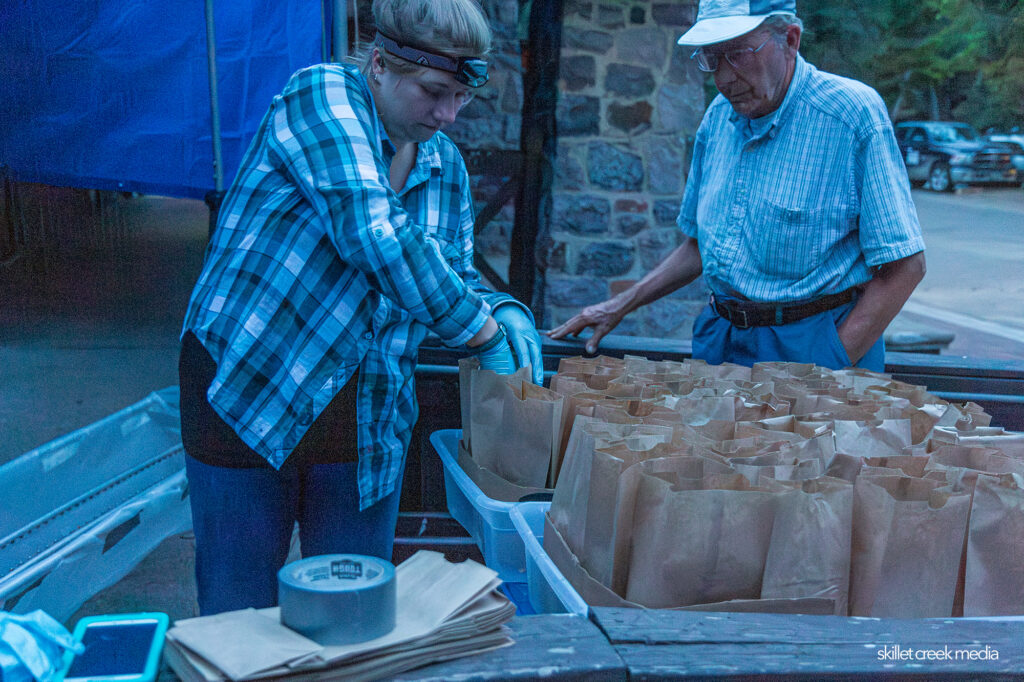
376, 78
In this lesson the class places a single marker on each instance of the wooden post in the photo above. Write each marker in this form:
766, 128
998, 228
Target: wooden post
538, 144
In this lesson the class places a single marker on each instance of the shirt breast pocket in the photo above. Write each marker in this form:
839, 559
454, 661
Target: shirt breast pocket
791, 242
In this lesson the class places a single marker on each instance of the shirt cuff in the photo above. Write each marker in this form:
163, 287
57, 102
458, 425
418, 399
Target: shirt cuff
463, 320
877, 257
499, 299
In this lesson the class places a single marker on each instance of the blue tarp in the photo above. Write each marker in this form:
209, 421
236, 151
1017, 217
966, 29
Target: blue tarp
115, 95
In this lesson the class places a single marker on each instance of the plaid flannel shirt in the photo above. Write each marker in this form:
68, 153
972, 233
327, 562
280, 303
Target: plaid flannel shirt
804, 203
318, 268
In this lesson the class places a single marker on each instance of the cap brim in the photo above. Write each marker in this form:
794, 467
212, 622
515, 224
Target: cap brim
720, 29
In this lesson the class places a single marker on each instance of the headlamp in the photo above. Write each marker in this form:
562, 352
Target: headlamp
469, 71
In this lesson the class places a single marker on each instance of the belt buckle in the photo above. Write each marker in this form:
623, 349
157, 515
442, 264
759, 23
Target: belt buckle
745, 324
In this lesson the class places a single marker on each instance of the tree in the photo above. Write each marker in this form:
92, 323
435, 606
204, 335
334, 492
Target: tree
951, 59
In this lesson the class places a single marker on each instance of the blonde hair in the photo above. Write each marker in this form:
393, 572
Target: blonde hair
456, 28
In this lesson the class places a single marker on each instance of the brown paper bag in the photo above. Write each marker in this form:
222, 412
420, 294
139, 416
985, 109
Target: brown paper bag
601, 364
596, 594
607, 466
995, 573
908, 535
770, 371
726, 370
515, 427
776, 466
964, 416
467, 366
1011, 443
684, 472
821, 447
987, 460
574, 405
809, 554
884, 438
698, 545
494, 486
487, 391
570, 501
910, 465
860, 379
846, 467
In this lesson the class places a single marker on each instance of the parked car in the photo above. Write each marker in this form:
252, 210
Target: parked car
1015, 141
943, 154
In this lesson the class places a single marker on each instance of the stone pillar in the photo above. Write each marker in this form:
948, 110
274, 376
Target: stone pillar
630, 100
630, 103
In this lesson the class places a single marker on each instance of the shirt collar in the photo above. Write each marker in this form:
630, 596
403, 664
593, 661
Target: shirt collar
428, 162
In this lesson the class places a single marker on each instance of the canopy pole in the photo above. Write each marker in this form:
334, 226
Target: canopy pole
339, 30
214, 198
323, 31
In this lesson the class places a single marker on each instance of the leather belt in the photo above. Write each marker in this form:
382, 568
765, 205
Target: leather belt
746, 314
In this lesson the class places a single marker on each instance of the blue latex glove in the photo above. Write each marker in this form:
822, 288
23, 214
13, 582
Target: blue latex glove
523, 338
496, 355
32, 646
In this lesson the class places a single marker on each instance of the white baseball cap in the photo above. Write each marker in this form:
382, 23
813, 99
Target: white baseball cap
721, 20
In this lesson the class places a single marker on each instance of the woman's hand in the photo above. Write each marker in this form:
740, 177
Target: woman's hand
523, 338
494, 353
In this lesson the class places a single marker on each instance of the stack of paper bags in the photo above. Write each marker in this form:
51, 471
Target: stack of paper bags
783, 487
444, 611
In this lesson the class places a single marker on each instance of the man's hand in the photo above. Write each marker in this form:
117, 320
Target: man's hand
678, 268
603, 317
523, 338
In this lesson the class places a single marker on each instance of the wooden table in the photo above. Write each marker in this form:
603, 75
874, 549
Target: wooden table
636, 644
656, 645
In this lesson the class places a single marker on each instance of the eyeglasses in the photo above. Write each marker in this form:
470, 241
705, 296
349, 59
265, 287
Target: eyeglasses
740, 59
467, 70
439, 94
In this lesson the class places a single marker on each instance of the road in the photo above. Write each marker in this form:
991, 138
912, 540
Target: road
975, 282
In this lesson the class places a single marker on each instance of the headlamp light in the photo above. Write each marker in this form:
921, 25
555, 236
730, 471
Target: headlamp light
469, 71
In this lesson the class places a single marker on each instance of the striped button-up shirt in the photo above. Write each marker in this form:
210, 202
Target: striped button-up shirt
804, 203
318, 268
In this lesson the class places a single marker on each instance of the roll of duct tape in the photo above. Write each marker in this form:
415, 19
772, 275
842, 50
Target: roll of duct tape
338, 598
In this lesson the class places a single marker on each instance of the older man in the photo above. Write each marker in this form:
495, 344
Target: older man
797, 207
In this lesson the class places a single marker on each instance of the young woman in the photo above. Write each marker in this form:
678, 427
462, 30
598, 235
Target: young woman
346, 236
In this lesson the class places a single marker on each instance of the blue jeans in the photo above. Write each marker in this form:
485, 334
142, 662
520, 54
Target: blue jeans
812, 339
243, 521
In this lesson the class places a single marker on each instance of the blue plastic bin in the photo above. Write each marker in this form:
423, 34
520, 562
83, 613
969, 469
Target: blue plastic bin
549, 591
485, 519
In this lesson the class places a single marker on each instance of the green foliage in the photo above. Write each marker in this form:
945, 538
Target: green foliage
954, 59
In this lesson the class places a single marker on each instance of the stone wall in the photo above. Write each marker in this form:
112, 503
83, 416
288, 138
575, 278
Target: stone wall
630, 101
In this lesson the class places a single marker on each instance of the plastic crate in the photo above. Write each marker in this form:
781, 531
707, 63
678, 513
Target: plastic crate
485, 519
549, 591
519, 594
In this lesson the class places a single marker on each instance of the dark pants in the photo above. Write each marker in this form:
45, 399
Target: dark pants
243, 521
812, 339
244, 510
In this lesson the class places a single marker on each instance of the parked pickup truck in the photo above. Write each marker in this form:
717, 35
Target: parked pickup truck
943, 154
